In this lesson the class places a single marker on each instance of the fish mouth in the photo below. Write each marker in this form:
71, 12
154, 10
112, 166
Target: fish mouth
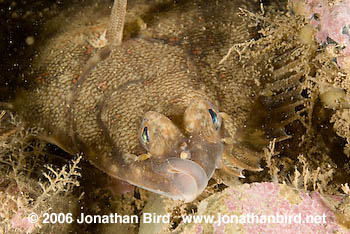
187, 178
189, 175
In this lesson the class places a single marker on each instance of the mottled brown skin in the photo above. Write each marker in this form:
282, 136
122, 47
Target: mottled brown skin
97, 110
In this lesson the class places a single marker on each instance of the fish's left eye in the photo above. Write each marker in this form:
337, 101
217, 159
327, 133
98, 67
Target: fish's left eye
144, 135
215, 119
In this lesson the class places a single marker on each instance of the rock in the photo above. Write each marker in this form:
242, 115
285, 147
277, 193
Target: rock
267, 208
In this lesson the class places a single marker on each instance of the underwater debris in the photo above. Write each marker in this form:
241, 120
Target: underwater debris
27, 187
331, 25
335, 98
330, 21
300, 80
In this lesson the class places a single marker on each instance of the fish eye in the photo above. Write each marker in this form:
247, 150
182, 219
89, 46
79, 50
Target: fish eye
158, 134
215, 119
145, 135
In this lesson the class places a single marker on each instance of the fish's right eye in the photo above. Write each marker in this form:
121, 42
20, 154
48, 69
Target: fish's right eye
145, 135
215, 119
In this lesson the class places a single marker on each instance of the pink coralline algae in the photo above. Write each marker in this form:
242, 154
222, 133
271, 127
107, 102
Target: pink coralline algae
331, 24
267, 208
22, 223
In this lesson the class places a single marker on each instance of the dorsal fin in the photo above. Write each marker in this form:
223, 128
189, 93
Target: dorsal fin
116, 24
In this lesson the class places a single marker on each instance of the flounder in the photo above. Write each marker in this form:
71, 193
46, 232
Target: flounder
158, 109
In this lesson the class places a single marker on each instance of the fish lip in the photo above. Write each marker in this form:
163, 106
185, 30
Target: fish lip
187, 176
194, 173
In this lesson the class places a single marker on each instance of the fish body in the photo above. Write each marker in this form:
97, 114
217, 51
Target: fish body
160, 94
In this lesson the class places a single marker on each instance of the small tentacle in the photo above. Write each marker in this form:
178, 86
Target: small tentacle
236, 154
241, 164
116, 26
232, 171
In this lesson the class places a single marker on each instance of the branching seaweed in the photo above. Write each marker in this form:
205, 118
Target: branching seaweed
26, 190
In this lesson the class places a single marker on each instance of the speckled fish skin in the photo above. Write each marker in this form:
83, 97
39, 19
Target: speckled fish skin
100, 112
